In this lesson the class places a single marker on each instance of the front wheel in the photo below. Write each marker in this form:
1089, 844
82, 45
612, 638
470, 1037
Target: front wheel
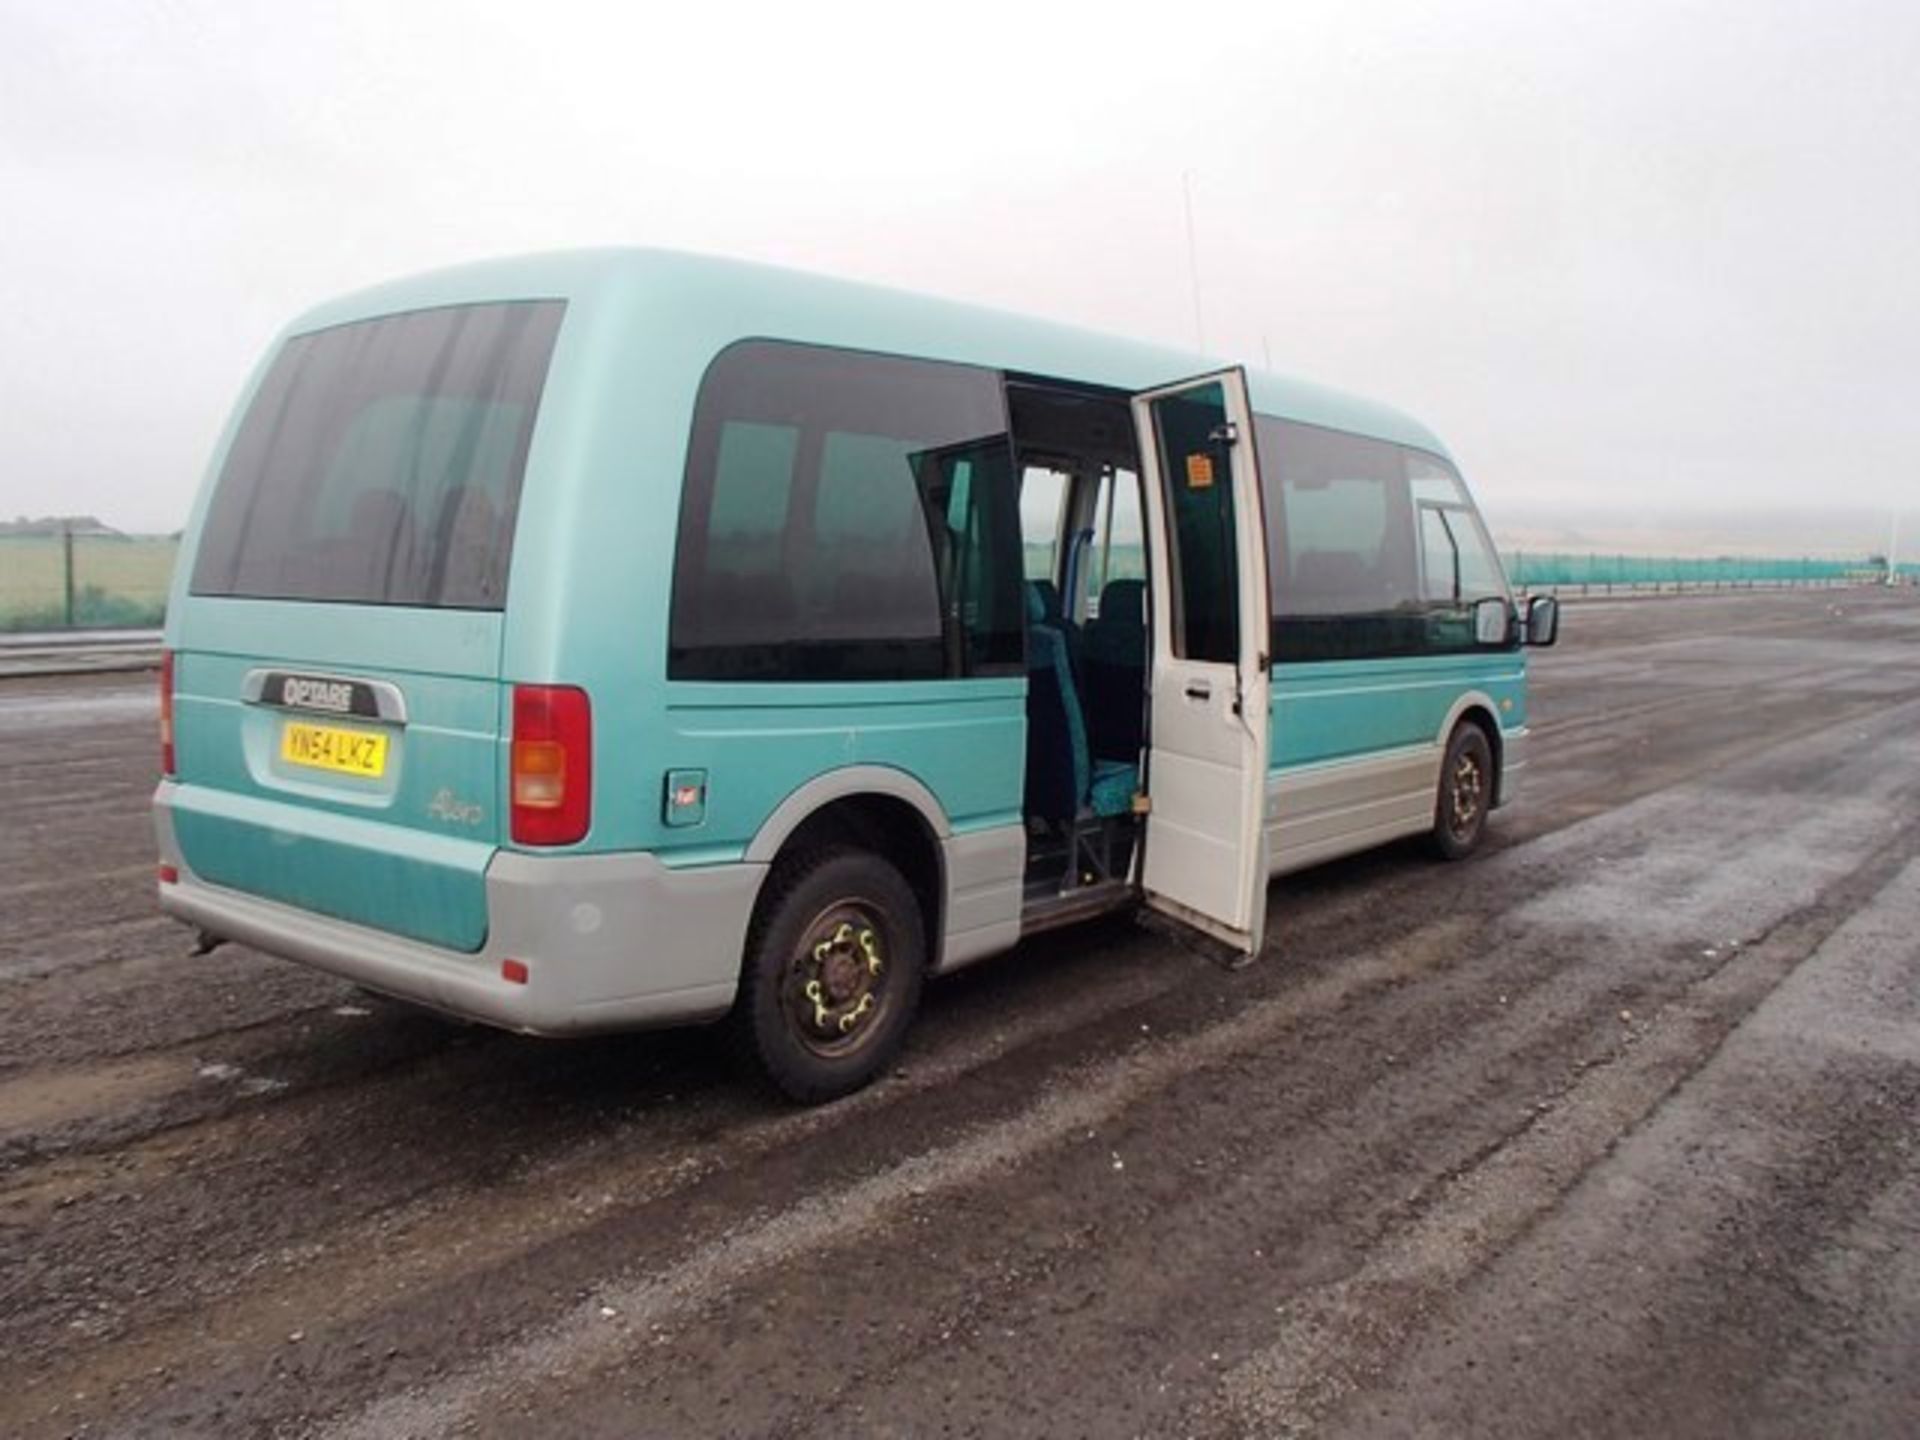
1466, 793
832, 974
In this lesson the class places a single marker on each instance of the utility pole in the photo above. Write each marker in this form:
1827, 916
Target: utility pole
1193, 263
66, 557
1893, 546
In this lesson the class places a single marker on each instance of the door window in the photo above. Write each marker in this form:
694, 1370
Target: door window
1197, 475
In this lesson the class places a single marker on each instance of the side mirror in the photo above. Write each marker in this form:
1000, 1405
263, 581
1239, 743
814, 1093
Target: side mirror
1543, 620
1492, 621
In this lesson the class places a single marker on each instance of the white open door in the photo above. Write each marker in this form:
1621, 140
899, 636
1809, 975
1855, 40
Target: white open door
1207, 757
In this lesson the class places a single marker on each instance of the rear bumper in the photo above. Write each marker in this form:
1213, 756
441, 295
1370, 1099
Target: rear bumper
610, 942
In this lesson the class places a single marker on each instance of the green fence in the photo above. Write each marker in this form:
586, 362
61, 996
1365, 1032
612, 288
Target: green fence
1530, 570
55, 582
1537, 570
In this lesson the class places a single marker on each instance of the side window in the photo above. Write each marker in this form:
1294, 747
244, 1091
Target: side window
1343, 551
817, 536
1432, 483
1481, 573
1374, 548
751, 485
1120, 552
1439, 558
1043, 496
967, 492
869, 572
1459, 566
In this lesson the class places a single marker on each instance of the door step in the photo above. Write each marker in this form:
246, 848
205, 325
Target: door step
1053, 909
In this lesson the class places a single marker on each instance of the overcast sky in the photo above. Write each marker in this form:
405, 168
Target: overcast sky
1659, 254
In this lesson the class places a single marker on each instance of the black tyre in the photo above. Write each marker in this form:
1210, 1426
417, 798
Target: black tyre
835, 961
1466, 793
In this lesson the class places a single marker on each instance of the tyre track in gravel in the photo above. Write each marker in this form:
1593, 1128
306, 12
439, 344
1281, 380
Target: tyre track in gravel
1425, 1120
445, 1196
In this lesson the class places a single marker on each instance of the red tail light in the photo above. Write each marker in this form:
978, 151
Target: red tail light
166, 712
552, 765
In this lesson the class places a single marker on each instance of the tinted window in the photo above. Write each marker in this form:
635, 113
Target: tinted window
1340, 545
380, 462
1458, 565
1196, 472
1439, 557
969, 494
845, 516
1374, 549
1468, 566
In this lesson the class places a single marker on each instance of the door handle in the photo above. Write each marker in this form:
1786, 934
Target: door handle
1199, 690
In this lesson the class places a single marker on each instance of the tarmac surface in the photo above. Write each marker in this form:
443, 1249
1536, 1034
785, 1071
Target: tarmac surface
1613, 1130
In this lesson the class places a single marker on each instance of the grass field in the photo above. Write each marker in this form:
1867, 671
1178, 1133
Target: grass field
117, 580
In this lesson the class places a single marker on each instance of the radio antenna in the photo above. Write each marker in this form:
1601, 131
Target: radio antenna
1193, 263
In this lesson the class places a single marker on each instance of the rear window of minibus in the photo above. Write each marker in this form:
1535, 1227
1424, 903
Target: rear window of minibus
380, 462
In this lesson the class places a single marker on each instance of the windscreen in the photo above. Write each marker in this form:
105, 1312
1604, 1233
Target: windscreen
380, 462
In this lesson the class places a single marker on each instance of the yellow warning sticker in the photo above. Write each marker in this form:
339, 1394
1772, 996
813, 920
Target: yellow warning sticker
1199, 471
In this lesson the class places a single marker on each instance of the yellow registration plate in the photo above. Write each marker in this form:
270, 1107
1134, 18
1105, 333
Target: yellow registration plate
324, 747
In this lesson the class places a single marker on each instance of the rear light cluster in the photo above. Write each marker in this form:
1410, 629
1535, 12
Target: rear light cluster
166, 712
552, 765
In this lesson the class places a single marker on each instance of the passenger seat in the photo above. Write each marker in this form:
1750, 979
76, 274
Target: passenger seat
1114, 662
1052, 613
1063, 779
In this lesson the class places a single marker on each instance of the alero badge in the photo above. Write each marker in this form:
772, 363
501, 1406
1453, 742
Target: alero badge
445, 805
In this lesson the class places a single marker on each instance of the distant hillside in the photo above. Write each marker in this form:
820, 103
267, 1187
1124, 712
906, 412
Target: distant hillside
1837, 532
57, 524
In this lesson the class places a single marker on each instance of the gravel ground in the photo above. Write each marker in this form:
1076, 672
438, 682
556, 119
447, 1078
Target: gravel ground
1609, 1131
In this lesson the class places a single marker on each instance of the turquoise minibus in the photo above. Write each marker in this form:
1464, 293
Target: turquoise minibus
623, 638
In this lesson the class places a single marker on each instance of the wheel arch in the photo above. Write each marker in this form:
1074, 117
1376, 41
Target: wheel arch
878, 807
1476, 707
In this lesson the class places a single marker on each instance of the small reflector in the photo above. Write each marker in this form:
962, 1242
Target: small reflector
514, 971
169, 875
166, 712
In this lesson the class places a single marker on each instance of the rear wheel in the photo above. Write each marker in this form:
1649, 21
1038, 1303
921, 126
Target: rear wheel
832, 974
1466, 793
